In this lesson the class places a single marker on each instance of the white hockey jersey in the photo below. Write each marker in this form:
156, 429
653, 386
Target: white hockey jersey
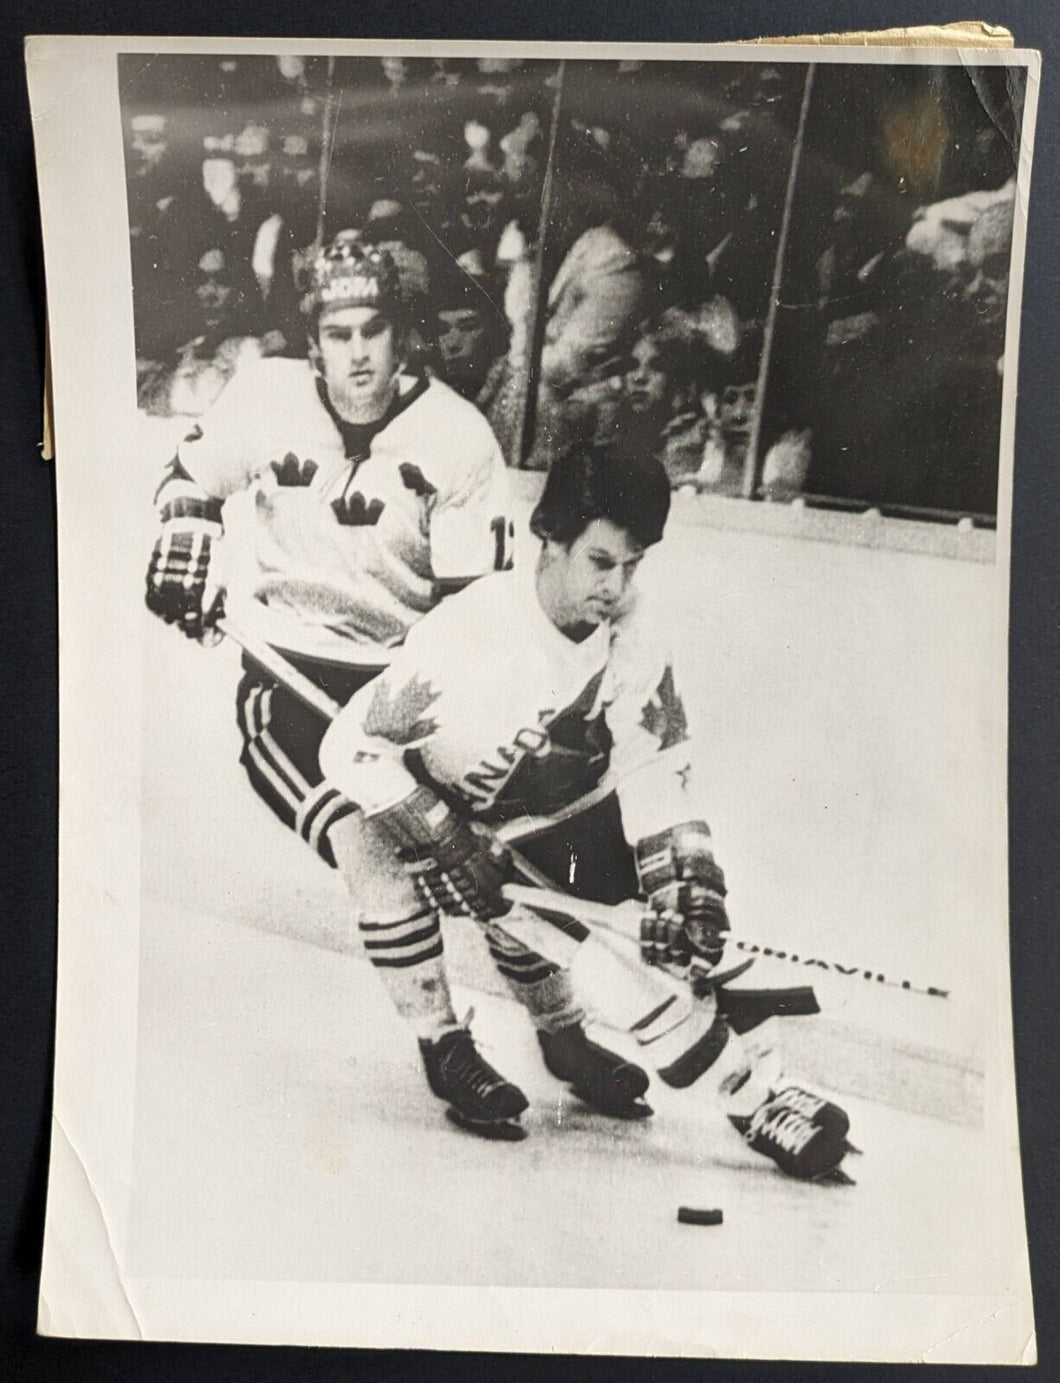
353, 529
490, 703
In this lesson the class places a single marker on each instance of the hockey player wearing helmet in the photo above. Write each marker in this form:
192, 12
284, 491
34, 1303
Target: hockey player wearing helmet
371, 492
356, 350
579, 725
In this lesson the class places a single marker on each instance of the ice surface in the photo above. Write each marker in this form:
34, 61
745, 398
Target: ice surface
283, 1120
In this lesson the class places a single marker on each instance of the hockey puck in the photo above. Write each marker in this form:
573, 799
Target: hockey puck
686, 1215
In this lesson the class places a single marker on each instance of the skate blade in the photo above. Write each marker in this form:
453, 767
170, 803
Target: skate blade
637, 1109
496, 1130
837, 1177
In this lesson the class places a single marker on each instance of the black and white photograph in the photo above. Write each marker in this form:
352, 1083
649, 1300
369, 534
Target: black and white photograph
541, 845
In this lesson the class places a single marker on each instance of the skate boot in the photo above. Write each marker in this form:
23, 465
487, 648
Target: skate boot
805, 1135
479, 1099
606, 1082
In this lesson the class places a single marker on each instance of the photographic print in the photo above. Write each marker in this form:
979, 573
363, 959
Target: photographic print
533, 854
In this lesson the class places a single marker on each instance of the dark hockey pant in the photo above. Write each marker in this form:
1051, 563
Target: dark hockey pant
281, 744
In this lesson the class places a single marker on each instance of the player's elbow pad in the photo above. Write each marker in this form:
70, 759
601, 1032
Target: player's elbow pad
367, 772
182, 499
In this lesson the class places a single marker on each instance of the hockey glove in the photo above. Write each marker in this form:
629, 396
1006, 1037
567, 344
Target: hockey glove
686, 889
179, 585
457, 868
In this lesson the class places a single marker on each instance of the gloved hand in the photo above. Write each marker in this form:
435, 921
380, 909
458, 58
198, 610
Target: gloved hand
458, 868
182, 588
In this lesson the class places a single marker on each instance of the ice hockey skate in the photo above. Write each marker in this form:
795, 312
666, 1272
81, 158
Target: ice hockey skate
480, 1100
803, 1133
601, 1079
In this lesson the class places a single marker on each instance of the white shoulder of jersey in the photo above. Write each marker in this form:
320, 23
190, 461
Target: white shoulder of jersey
468, 619
443, 402
266, 398
451, 438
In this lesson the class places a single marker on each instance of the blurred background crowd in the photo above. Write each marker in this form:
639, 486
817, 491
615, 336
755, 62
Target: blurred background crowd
590, 248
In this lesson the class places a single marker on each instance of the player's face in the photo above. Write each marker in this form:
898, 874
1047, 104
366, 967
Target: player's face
357, 353
588, 578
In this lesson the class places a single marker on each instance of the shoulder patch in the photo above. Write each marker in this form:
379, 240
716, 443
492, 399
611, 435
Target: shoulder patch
413, 479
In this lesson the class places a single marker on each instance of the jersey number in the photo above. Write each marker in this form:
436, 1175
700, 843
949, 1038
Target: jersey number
503, 531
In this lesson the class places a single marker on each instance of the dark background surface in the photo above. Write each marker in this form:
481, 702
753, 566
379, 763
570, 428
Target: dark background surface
28, 761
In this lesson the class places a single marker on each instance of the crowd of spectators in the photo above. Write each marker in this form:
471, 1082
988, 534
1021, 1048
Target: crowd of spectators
652, 277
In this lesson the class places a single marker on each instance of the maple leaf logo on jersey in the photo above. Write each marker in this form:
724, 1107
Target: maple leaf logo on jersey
664, 714
292, 471
399, 716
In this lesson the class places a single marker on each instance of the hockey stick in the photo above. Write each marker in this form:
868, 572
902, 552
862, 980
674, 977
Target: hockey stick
562, 909
624, 918
284, 671
570, 915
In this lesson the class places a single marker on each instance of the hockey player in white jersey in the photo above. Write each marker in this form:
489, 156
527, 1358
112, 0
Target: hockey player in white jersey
530, 693
372, 493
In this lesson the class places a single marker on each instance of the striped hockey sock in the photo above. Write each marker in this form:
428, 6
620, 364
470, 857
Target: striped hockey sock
409, 957
542, 987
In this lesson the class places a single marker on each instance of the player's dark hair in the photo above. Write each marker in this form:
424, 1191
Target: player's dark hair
596, 482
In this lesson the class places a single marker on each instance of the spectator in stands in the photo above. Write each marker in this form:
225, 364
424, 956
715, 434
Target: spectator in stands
908, 384
397, 72
670, 394
153, 187
149, 144
225, 215
253, 151
483, 213
593, 301
469, 329
224, 334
